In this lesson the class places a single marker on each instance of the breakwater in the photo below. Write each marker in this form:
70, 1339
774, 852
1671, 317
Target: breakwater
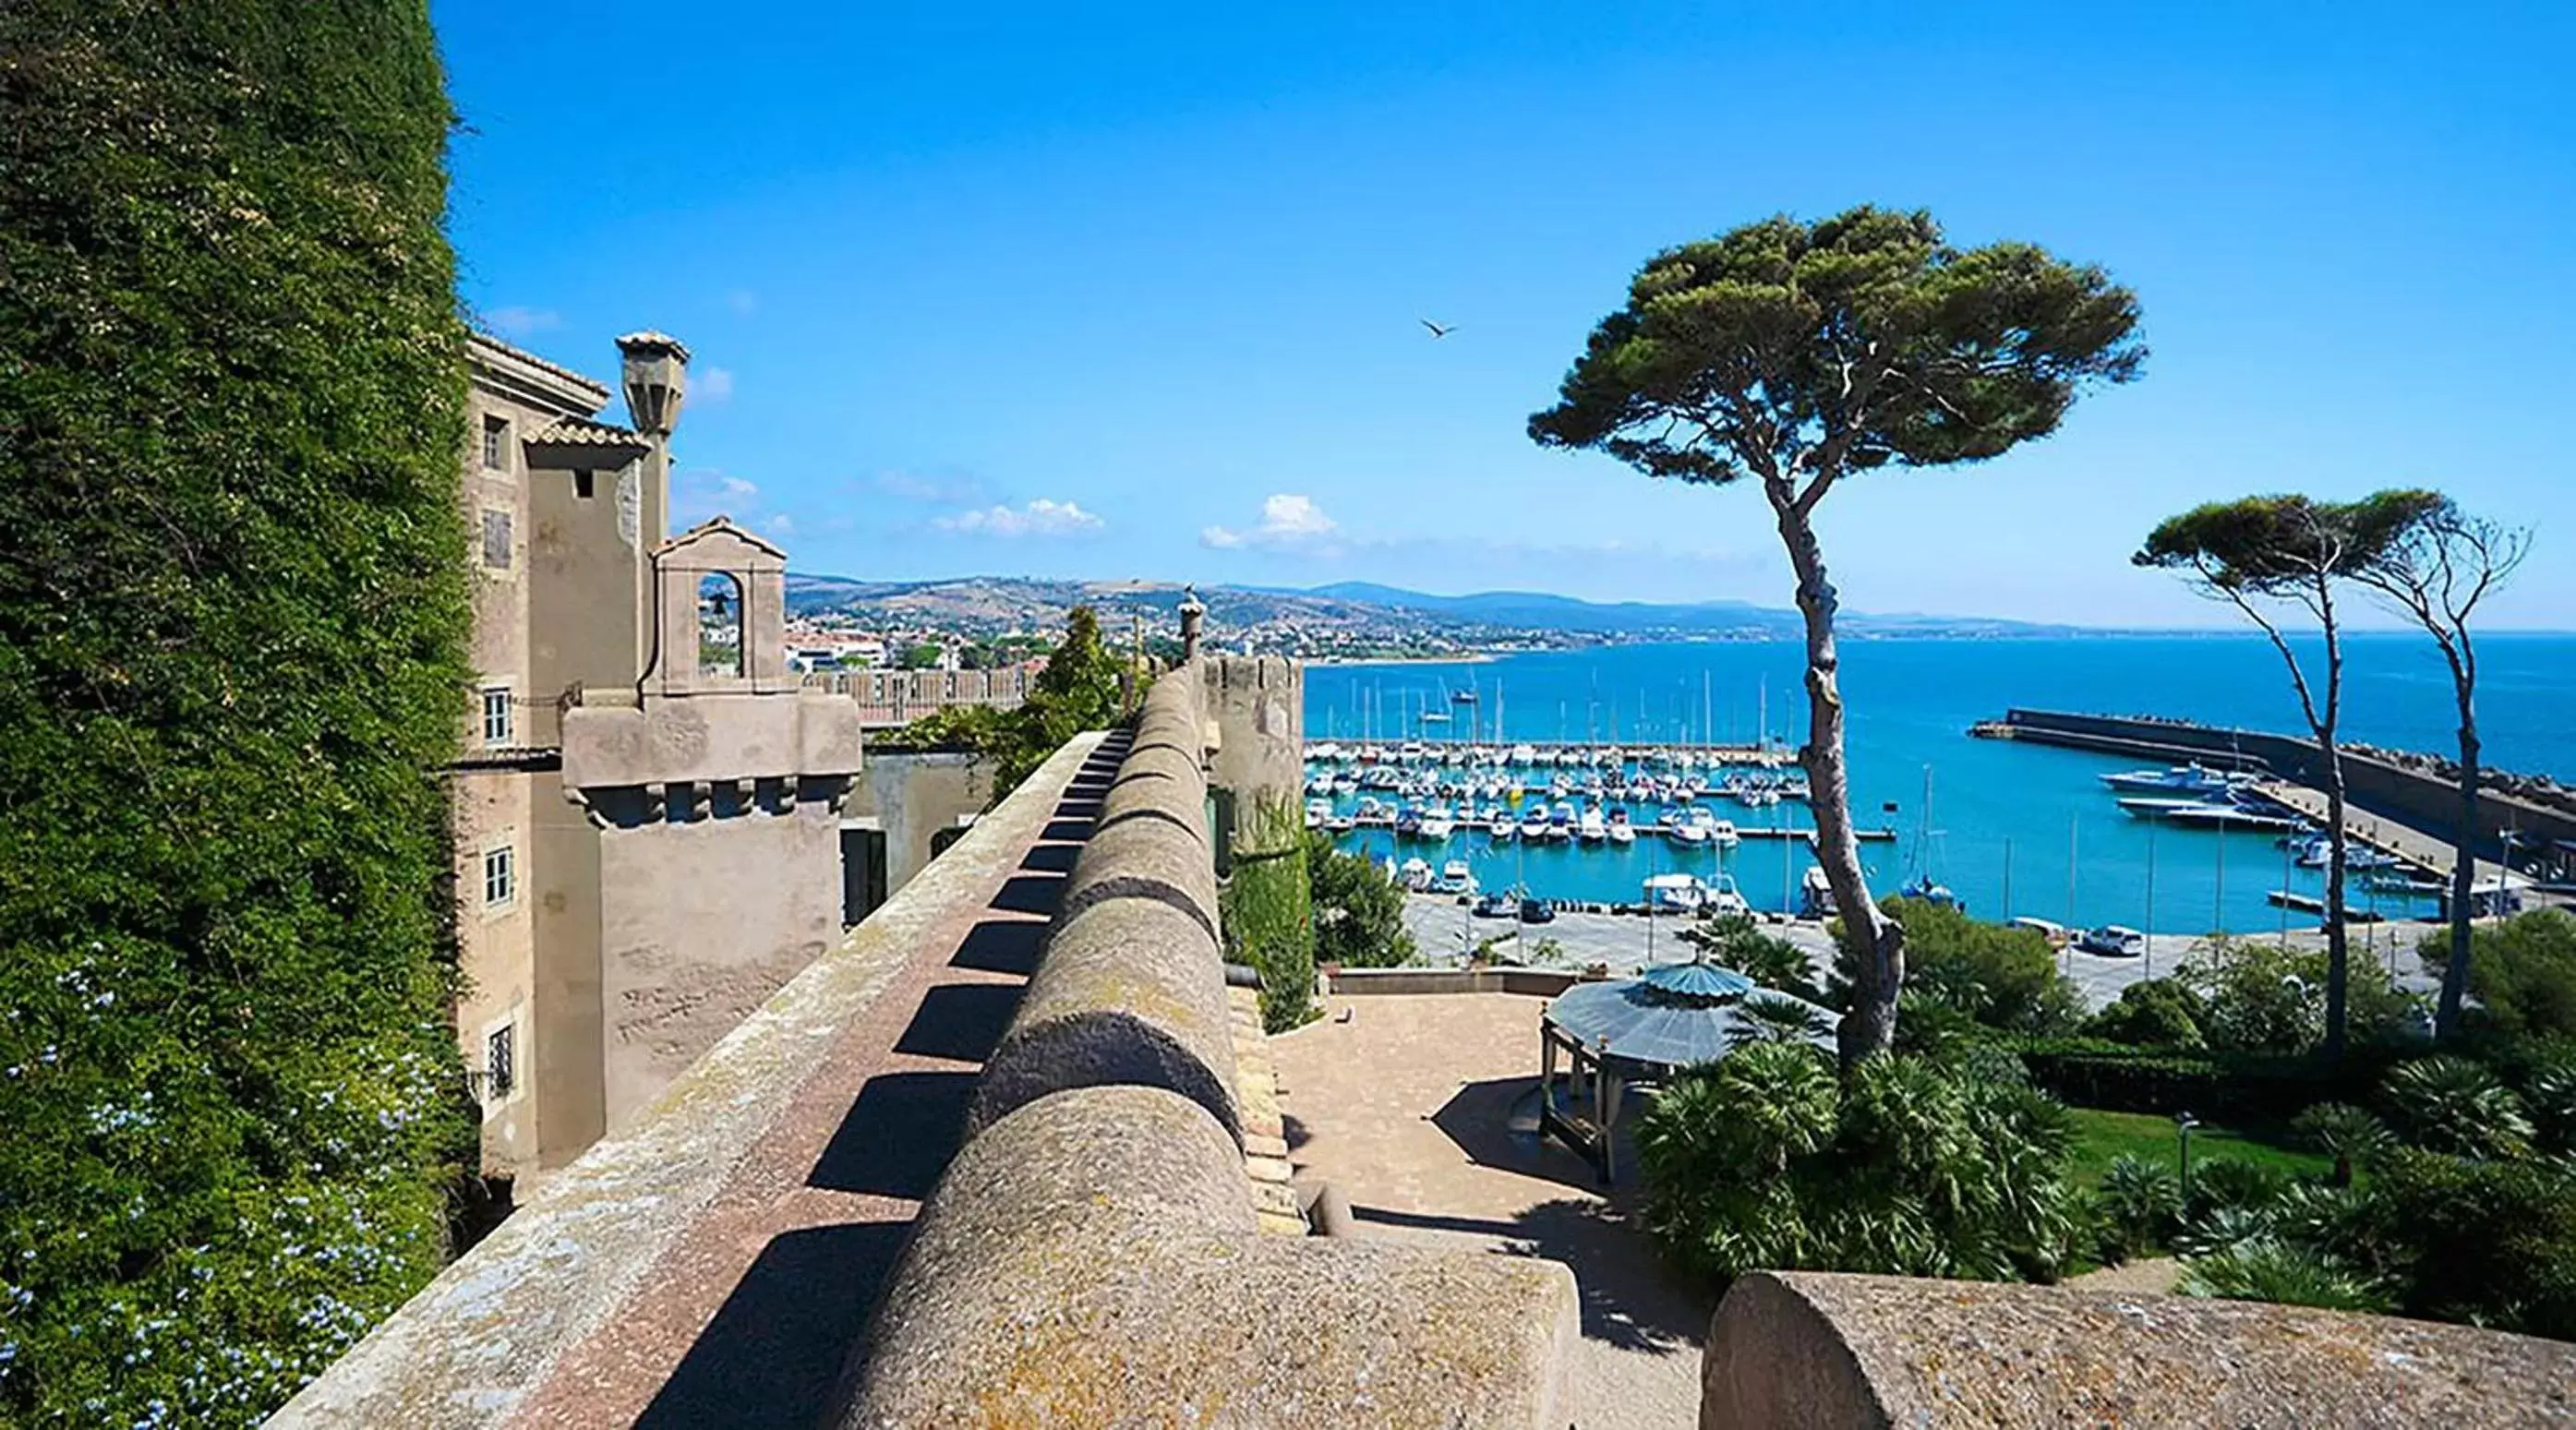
2412, 794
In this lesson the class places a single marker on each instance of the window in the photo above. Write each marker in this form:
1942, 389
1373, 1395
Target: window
500, 1062
496, 715
496, 444
500, 877
496, 540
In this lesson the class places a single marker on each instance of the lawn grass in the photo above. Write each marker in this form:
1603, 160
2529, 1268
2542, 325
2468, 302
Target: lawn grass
2103, 1137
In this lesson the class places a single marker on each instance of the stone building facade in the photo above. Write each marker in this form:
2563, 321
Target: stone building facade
584, 930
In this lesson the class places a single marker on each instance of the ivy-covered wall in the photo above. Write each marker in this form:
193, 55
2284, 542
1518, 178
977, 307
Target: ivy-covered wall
231, 611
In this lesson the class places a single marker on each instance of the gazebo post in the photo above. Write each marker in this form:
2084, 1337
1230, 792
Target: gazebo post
1609, 1129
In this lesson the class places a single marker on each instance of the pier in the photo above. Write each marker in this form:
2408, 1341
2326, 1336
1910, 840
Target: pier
2433, 857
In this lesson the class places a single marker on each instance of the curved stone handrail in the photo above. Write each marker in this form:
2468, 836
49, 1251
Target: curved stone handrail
1093, 1256
1814, 1348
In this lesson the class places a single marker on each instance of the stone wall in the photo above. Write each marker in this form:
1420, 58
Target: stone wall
1810, 1348
1093, 1256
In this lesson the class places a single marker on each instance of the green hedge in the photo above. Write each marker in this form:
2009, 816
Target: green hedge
1268, 915
232, 604
2096, 1072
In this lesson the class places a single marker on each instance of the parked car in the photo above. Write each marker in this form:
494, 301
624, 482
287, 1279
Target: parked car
1535, 912
1493, 906
2113, 941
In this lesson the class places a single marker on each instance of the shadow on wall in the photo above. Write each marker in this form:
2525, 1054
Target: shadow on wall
774, 1351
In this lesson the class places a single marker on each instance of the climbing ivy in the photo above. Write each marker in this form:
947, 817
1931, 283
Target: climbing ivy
232, 605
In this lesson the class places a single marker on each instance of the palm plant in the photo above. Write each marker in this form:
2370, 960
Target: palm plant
2550, 1094
2344, 1132
1765, 1019
2451, 1104
2141, 1205
2265, 1269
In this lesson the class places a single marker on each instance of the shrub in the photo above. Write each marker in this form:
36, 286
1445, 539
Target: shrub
2000, 976
1265, 913
2270, 998
2454, 1105
2550, 1095
2158, 1013
1903, 1165
1358, 911
2490, 1243
232, 611
2522, 972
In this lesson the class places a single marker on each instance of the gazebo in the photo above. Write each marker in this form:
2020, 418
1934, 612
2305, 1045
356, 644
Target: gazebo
1644, 1030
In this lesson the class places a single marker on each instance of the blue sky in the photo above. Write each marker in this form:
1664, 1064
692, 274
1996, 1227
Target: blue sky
1011, 290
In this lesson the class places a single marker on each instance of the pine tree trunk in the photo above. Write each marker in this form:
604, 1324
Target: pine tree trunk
1876, 942
2464, 868
2338, 938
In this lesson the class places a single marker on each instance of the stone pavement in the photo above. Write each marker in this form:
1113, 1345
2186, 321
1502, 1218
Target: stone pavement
1408, 1109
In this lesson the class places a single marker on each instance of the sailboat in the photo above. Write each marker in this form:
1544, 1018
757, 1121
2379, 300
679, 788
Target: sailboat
1922, 885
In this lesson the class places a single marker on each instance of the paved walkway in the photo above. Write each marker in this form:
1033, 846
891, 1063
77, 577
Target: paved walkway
750, 1317
1408, 1109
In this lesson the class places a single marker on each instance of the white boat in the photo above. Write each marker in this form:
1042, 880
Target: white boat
1619, 830
1816, 894
1725, 899
1591, 828
1501, 826
1438, 823
1678, 893
2181, 779
1456, 878
1415, 875
1534, 823
1318, 811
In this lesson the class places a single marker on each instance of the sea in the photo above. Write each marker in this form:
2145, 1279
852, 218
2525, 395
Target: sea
2015, 829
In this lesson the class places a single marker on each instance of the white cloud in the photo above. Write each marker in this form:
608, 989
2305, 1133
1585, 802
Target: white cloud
739, 488
712, 384
521, 322
780, 525
743, 301
1041, 517
1289, 521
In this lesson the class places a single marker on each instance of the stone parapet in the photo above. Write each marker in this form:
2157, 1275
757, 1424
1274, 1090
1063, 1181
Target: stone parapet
1811, 1348
710, 738
487, 1337
1092, 1259
1118, 1243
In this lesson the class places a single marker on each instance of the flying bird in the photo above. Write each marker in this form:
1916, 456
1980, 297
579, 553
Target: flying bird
1438, 331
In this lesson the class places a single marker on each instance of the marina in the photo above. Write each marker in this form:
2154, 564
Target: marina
2025, 827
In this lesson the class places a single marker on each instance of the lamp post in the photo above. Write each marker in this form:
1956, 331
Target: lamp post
2183, 1123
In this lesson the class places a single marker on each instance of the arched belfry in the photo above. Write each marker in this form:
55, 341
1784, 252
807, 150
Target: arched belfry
719, 615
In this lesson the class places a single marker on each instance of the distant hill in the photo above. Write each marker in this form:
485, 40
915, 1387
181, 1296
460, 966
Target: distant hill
1343, 610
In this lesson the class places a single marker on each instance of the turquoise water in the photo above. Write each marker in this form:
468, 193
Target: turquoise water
2002, 812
